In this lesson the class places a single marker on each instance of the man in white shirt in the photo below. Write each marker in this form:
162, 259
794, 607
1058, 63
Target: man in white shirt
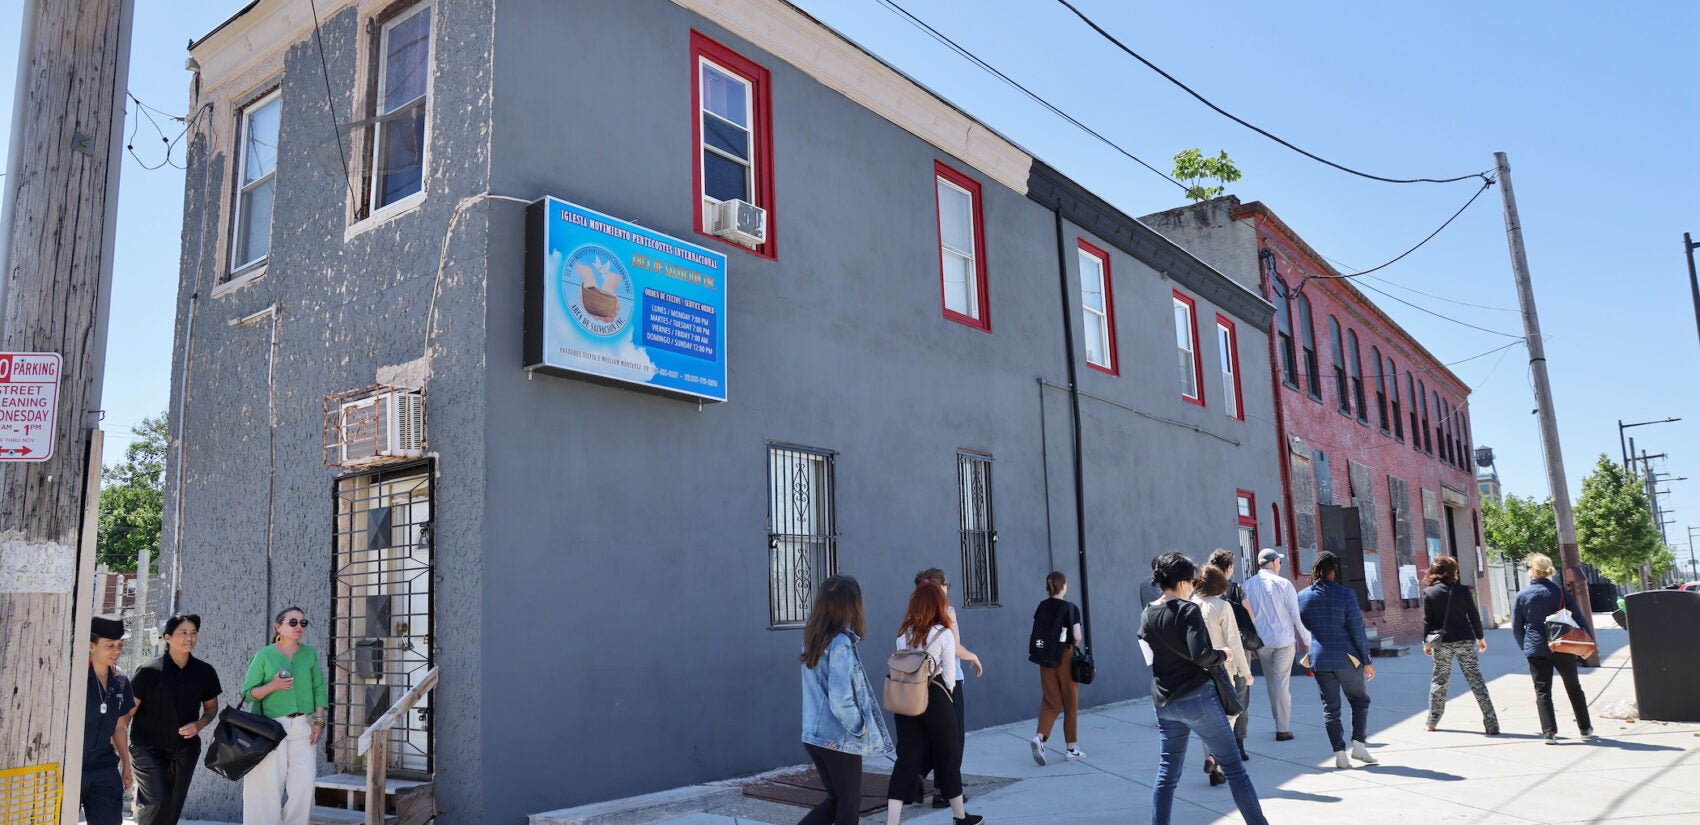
1275, 610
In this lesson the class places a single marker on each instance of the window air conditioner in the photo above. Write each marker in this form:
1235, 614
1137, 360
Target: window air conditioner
740, 222
382, 427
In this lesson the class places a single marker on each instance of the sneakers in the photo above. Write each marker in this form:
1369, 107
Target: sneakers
971, 819
1074, 753
1550, 738
1587, 733
1038, 746
1361, 753
1343, 760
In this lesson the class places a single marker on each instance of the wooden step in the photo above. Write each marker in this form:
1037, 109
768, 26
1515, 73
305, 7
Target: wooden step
413, 800
357, 782
326, 815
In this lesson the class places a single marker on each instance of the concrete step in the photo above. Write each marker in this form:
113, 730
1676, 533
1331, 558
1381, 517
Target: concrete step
325, 815
641, 810
357, 782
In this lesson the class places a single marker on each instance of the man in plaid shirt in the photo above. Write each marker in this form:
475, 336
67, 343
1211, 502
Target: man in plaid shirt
1339, 655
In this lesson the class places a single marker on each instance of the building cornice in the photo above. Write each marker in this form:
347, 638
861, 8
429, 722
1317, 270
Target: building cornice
1058, 192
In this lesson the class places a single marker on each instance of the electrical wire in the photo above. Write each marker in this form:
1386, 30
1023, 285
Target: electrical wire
330, 102
170, 142
971, 57
1229, 115
1397, 285
1486, 183
1424, 309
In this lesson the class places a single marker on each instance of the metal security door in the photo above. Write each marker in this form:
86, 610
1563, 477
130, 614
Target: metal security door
381, 614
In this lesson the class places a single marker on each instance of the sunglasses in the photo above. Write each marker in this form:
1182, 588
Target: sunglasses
295, 622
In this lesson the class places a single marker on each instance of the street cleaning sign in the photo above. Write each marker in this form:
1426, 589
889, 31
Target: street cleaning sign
29, 404
613, 302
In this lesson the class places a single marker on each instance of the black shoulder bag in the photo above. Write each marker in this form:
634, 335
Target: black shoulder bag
1225, 692
241, 741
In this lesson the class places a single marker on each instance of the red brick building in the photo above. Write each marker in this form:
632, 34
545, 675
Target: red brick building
1375, 431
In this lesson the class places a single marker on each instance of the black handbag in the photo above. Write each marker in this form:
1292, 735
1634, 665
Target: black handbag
1225, 692
1082, 668
1242, 619
241, 741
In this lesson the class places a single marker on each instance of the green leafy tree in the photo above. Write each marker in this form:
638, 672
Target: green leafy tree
1519, 528
1614, 527
1192, 165
132, 498
1663, 562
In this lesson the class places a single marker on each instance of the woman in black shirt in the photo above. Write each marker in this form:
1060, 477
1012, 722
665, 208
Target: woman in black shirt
176, 699
1183, 693
1452, 629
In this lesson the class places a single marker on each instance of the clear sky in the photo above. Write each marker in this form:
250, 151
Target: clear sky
1596, 108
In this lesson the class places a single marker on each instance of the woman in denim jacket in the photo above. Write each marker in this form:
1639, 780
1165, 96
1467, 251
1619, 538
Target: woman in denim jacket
842, 721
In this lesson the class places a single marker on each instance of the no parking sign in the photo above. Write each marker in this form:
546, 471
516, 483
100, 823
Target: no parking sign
29, 404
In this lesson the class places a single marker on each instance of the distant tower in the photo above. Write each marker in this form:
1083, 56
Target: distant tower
1487, 482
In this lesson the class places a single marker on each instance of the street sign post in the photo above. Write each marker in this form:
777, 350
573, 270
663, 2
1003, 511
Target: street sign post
29, 404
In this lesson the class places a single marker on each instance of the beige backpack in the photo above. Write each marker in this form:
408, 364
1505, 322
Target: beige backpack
906, 682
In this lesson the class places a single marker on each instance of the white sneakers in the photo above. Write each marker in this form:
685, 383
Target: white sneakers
1360, 753
1074, 753
1343, 760
1038, 745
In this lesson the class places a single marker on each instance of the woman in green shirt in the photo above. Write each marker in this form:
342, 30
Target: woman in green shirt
285, 682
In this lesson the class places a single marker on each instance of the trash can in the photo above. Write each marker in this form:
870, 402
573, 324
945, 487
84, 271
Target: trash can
1666, 664
1602, 597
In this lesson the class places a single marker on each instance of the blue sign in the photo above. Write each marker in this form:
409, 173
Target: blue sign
612, 301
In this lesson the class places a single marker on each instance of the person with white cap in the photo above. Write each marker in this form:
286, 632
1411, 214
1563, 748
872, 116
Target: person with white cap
106, 725
1275, 611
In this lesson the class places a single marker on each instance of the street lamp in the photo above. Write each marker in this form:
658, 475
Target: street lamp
1622, 426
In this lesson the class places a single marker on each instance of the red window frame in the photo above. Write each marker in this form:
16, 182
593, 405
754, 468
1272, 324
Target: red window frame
984, 321
1248, 520
761, 101
1114, 367
1223, 322
1197, 362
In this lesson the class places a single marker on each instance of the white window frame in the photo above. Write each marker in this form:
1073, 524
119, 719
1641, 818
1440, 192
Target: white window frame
1186, 343
969, 255
1093, 270
750, 131
1227, 341
373, 207
239, 223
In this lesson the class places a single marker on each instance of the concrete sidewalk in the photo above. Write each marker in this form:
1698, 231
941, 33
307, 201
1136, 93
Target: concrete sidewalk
1648, 772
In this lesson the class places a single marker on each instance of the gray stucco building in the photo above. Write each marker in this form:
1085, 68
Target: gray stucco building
935, 350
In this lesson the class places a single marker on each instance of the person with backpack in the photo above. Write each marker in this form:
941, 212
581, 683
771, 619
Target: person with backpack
1056, 630
1245, 626
841, 720
936, 576
930, 736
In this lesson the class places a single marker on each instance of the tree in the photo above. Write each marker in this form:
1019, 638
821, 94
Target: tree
1519, 528
132, 498
1663, 562
1192, 165
1614, 527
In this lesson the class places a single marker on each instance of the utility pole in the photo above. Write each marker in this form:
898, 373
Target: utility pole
61, 192
1572, 560
1693, 281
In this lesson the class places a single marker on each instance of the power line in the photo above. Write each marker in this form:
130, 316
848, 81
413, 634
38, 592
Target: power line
1225, 113
330, 102
1397, 285
1424, 309
970, 56
1486, 183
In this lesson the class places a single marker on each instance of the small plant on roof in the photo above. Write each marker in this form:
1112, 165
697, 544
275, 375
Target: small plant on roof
1191, 165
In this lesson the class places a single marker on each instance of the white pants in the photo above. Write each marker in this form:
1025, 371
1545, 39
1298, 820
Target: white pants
1277, 673
290, 769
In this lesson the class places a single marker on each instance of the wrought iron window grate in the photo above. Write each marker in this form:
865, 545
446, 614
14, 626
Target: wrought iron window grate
979, 534
802, 529
381, 614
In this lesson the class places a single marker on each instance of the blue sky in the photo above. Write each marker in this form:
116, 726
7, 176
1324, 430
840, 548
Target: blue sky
1597, 112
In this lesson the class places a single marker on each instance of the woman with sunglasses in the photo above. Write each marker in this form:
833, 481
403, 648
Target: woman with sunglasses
285, 682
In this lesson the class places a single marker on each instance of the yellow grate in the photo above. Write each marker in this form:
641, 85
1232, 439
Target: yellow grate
30, 796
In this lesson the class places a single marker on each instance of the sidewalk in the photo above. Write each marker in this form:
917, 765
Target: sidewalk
1648, 772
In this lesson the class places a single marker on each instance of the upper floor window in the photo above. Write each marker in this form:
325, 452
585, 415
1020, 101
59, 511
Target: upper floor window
403, 96
1428, 432
1342, 396
1098, 308
1227, 343
962, 266
1186, 345
1416, 401
1313, 377
1356, 365
1392, 373
1376, 363
251, 228
734, 134
1284, 330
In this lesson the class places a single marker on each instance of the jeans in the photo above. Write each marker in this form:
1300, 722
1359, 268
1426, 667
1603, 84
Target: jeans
1201, 712
1277, 679
1541, 668
841, 773
1331, 683
162, 780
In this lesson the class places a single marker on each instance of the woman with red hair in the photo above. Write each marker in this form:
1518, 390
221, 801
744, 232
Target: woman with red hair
930, 738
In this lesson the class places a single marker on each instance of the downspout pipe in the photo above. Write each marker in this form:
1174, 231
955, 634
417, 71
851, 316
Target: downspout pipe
1074, 417
1277, 290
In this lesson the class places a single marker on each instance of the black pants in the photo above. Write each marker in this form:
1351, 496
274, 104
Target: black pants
1541, 668
841, 773
162, 781
931, 739
961, 736
103, 796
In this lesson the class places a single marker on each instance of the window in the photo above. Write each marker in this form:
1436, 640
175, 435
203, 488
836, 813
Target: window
1275, 519
1313, 380
1284, 333
732, 130
979, 536
1246, 503
1416, 401
1380, 388
962, 267
1342, 398
1227, 343
1392, 373
1356, 365
1186, 345
1428, 434
403, 94
802, 529
252, 228
1098, 308
1445, 427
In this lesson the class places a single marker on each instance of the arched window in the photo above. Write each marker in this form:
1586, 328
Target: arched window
1283, 301
1416, 403
1392, 373
1380, 388
1313, 378
1356, 365
1428, 431
1342, 394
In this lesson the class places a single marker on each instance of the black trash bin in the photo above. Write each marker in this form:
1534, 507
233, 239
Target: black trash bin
1602, 597
1666, 664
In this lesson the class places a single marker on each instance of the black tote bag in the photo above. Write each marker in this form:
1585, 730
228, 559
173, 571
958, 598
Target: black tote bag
241, 741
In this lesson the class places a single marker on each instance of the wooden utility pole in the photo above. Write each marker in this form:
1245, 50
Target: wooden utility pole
55, 278
1572, 559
